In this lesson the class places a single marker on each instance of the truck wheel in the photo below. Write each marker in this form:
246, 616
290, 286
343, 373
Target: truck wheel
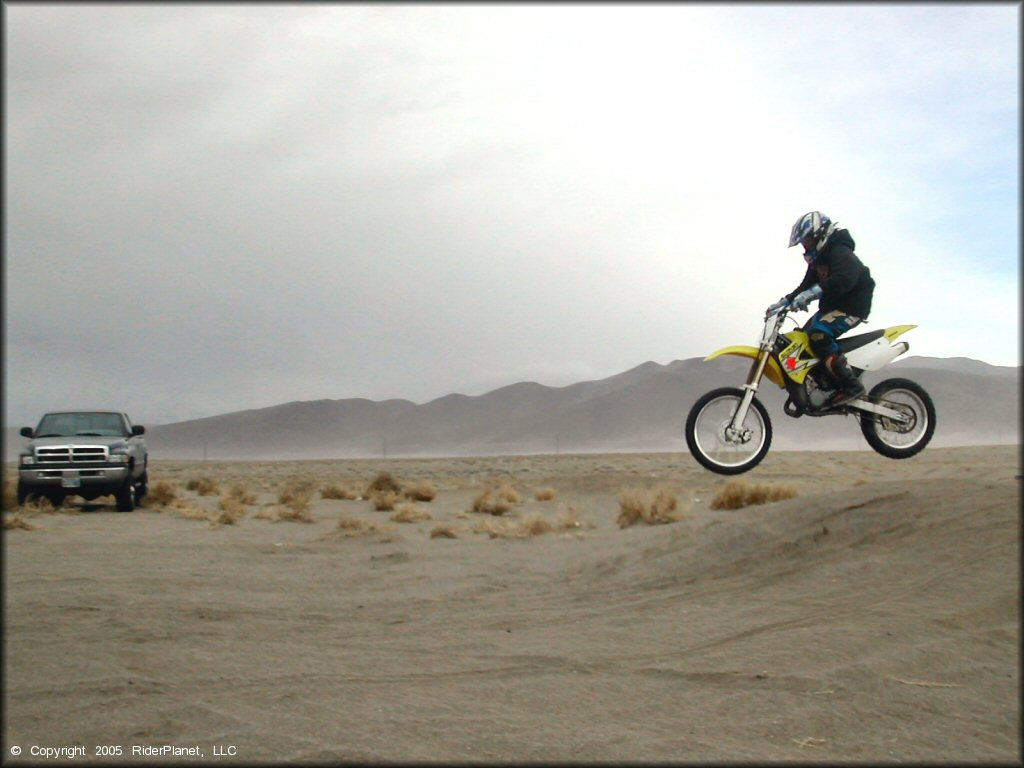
143, 487
24, 494
126, 496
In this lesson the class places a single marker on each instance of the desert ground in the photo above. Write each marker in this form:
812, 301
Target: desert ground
835, 607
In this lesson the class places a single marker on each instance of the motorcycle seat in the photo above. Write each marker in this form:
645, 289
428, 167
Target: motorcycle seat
851, 343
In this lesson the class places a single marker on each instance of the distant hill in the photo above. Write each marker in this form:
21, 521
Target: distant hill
642, 409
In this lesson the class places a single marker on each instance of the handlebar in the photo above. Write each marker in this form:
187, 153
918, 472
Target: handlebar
781, 311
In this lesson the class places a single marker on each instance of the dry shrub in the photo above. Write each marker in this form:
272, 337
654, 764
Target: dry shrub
238, 493
545, 494
294, 513
356, 526
569, 518
161, 494
384, 501
383, 482
535, 525
189, 511
74, 509
410, 513
489, 503
422, 490
739, 493
507, 493
340, 492
227, 518
39, 505
496, 528
204, 486
295, 498
504, 528
16, 522
232, 505
498, 502
231, 510
443, 532
10, 497
295, 488
651, 506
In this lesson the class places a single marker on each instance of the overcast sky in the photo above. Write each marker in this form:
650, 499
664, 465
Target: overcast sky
211, 208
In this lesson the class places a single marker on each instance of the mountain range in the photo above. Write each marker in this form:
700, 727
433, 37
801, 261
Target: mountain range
642, 409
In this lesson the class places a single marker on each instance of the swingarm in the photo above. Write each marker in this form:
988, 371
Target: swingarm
861, 404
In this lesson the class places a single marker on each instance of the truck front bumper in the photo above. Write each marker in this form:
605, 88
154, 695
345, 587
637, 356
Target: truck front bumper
70, 480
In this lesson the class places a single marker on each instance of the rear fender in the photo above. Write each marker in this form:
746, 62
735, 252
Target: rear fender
880, 352
897, 330
772, 371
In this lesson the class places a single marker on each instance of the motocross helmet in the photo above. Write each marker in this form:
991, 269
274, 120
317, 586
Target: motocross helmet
815, 225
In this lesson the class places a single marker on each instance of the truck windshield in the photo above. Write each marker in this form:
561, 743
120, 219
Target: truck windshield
71, 424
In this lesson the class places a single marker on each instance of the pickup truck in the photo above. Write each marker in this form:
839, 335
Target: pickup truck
84, 453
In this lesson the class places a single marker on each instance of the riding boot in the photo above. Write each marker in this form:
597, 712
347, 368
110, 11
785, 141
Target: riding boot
850, 387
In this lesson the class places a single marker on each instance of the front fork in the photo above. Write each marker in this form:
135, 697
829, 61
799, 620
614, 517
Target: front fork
736, 432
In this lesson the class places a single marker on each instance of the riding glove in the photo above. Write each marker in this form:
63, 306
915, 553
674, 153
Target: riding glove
801, 300
780, 304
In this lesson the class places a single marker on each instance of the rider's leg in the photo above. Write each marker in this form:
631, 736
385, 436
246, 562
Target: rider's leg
823, 331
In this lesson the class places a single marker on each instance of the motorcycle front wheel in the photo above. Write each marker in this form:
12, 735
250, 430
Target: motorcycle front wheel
892, 439
712, 443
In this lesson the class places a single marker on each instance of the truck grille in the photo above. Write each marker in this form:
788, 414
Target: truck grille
71, 454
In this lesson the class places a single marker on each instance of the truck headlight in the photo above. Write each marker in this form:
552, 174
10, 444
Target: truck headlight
119, 458
26, 460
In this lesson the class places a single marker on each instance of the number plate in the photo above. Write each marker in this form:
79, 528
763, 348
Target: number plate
71, 481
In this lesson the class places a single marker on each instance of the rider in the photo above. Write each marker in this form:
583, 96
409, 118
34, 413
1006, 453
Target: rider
844, 286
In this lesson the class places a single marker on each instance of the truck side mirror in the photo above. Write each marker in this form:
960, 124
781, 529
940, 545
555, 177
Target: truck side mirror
26, 432
138, 429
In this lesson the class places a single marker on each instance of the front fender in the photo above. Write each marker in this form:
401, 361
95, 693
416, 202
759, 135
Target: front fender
772, 370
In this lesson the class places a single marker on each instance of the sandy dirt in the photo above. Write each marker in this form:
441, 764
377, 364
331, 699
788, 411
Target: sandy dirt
873, 617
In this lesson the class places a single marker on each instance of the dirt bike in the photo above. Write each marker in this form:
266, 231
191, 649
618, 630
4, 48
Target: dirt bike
729, 432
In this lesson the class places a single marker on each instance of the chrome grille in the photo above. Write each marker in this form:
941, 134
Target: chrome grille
71, 454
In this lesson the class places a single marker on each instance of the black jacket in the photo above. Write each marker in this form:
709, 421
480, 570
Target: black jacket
845, 282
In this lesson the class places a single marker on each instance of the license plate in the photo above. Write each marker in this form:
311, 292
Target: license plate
71, 482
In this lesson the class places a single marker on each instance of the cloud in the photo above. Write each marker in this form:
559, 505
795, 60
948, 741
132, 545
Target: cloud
219, 207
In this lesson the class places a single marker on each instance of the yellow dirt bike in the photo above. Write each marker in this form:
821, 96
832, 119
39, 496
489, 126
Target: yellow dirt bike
728, 429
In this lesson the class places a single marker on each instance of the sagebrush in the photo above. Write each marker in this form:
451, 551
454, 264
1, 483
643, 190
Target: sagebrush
410, 513
652, 506
545, 494
204, 486
339, 492
740, 493
498, 501
161, 493
383, 482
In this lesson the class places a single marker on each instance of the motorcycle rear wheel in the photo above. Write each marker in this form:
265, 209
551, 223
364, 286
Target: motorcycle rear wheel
894, 440
706, 432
